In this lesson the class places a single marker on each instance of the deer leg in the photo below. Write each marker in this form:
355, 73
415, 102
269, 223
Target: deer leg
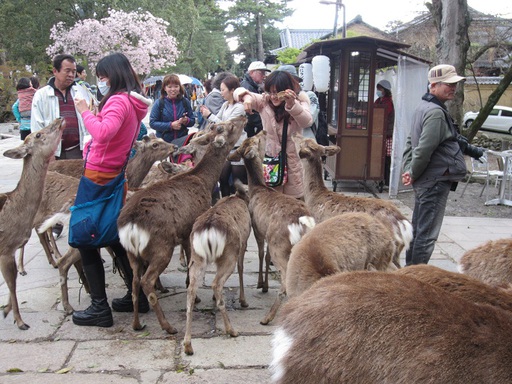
196, 270
183, 258
72, 256
148, 282
280, 262
8, 268
137, 269
45, 242
225, 268
240, 265
21, 265
260, 241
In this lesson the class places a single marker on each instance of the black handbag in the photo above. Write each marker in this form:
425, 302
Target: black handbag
275, 171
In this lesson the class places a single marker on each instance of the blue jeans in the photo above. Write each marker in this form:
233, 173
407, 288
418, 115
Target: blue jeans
427, 218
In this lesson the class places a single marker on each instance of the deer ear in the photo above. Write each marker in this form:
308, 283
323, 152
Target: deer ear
332, 150
18, 153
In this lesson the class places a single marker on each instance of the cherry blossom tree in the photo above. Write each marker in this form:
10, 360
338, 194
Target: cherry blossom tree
140, 36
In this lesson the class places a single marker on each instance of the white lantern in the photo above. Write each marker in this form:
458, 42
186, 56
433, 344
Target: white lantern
321, 73
306, 73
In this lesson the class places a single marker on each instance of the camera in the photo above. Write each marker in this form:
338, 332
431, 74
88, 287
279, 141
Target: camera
468, 149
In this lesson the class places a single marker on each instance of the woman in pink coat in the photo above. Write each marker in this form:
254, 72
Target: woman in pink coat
282, 100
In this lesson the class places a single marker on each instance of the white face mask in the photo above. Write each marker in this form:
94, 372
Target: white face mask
103, 87
379, 93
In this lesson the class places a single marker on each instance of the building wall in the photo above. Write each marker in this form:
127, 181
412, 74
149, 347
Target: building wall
472, 98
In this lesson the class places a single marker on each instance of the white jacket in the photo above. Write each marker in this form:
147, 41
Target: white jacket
45, 109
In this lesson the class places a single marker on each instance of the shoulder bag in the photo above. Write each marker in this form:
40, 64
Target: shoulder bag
275, 171
93, 222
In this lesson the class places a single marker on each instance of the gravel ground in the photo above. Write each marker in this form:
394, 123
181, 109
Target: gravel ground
469, 205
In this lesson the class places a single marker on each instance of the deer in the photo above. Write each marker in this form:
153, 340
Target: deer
219, 236
278, 219
60, 189
347, 242
490, 262
467, 287
20, 205
325, 204
366, 327
160, 217
58, 196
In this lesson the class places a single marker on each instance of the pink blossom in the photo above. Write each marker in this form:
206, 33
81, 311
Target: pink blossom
141, 36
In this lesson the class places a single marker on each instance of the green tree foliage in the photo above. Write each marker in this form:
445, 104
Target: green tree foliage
252, 23
288, 55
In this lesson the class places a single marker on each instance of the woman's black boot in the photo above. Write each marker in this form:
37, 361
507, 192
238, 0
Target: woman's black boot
125, 303
98, 313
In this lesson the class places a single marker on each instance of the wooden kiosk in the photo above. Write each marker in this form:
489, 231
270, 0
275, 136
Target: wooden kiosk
355, 123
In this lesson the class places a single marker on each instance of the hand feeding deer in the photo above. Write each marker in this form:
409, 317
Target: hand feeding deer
325, 204
279, 219
219, 236
160, 217
20, 206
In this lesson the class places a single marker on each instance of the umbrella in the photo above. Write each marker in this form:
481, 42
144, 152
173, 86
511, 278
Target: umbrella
196, 81
184, 79
153, 79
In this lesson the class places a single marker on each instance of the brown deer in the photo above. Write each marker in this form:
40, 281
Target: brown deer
278, 219
324, 204
348, 242
467, 287
490, 262
160, 217
59, 189
219, 236
20, 206
364, 327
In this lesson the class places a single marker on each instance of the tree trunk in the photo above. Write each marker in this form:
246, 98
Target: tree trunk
259, 33
451, 18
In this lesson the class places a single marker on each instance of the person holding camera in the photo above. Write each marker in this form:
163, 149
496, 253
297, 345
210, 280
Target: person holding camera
433, 161
172, 115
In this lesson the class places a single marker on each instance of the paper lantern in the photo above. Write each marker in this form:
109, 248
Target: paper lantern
321, 73
306, 73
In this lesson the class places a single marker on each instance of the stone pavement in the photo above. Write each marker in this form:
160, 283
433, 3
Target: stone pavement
55, 351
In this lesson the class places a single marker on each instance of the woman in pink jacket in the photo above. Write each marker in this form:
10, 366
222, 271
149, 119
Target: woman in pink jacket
291, 104
113, 128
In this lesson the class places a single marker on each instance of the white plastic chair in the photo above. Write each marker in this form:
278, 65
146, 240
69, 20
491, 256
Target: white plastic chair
480, 171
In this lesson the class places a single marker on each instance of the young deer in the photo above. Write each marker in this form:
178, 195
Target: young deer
159, 218
20, 206
490, 262
325, 204
348, 242
278, 219
363, 327
219, 236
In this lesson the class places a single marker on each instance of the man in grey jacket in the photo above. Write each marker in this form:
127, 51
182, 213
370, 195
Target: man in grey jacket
433, 161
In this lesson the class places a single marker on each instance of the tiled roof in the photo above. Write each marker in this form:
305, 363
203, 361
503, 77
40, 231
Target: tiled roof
298, 38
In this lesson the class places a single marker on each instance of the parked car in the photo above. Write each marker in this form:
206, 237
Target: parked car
500, 119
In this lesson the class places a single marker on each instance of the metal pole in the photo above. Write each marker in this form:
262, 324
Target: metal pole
335, 29
344, 32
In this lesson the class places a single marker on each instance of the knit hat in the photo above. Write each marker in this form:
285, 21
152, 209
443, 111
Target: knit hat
258, 66
444, 73
291, 70
385, 84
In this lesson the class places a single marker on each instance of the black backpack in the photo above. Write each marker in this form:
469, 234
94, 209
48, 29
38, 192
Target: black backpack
321, 134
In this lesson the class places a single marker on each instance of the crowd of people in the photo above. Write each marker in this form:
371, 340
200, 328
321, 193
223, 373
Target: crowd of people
272, 100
